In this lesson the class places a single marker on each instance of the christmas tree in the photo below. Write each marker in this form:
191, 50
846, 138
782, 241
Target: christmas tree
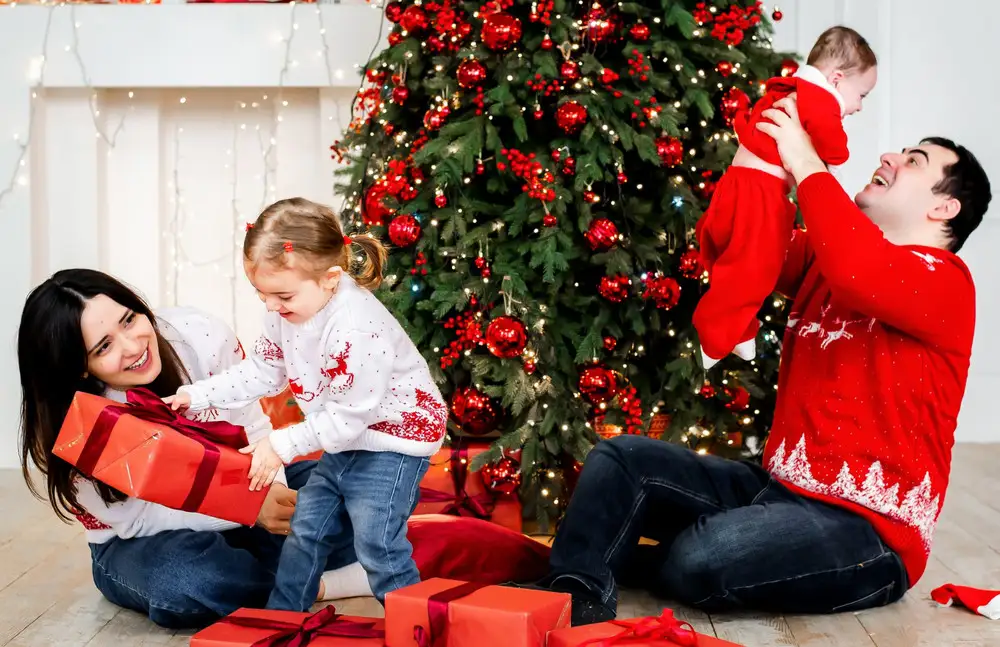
538, 168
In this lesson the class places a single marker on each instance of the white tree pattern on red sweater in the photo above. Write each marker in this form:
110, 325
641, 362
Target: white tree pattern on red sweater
919, 508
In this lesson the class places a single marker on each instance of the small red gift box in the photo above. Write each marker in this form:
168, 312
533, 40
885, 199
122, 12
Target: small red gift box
450, 487
655, 631
145, 450
267, 628
449, 613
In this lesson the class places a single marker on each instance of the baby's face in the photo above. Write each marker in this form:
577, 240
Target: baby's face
854, 87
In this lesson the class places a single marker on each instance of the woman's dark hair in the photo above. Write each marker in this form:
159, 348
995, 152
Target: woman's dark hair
52, 360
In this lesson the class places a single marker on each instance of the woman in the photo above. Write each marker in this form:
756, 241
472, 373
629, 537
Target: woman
82, 330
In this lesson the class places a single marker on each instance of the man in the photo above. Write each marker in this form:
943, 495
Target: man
874, 366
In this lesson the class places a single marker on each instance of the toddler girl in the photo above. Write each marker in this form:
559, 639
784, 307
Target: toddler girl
744, 233
368, 398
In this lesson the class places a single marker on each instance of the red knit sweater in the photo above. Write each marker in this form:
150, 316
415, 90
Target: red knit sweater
873, 371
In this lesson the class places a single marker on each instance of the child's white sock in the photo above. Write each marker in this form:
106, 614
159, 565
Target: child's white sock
746, 350
346, 582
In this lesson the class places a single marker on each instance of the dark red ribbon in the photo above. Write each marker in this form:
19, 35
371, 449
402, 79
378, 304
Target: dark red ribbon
325, 622
644, 630
435, 634
145, 405
461, 503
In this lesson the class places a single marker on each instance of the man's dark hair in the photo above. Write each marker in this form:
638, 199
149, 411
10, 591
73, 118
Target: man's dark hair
966, 181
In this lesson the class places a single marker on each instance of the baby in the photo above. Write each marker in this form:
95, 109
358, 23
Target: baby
744, 234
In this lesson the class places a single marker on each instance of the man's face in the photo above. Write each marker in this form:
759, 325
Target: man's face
900, 194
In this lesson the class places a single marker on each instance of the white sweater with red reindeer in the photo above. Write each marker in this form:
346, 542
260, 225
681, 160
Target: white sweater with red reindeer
358, 378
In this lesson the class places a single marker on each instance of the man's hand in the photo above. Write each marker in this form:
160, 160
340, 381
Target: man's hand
181, 401
794, 145
276, 513
265, 464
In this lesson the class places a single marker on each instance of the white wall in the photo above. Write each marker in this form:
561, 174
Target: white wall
86, 203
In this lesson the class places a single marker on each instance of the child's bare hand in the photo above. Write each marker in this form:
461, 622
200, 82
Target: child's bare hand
179, 402
265, 464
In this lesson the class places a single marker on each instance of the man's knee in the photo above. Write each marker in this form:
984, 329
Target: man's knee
693, 572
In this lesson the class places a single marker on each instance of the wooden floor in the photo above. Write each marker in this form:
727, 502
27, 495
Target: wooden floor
47, 597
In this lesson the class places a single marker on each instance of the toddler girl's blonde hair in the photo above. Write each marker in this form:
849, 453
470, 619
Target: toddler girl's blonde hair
301, 234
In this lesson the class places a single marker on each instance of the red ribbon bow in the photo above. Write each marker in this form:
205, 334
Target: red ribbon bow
348, 240
146, 405
644, 630
325, 622
461, 503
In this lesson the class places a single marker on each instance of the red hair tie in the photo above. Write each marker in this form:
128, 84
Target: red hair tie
348, 240
249, 226
288, 246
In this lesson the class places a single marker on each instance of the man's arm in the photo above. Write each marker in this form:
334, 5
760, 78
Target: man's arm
797, 260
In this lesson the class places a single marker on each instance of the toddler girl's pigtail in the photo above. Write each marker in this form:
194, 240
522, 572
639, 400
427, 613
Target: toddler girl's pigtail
370, 275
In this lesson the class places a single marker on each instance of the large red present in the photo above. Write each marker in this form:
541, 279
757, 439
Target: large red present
655, 631
145, 450
450, 487
267, 628
450, 613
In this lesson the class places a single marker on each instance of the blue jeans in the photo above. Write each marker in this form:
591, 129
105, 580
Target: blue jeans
368, 494
187, 579
729, 537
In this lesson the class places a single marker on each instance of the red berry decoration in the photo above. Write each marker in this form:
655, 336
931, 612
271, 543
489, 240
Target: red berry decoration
602, 235
739, 398
501, 31
597, 384
670, 150
733, 103
610, 343
476, 413
690, 264
789, 67
375, 213
664, 291
502, 477
396, 37
400, 94
571, 116
393, 11
506, 337
413, 20
639, 32
614, 288
404, 230
470, 73
609, 76
570, 71
725, 68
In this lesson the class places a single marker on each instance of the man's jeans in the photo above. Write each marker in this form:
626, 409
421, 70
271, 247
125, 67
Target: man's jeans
188, 579
367, 496
729, 536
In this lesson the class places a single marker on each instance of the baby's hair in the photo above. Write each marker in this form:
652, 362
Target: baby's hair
843, 48
309, 235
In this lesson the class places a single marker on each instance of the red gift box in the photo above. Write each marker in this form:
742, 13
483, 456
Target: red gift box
655, 631
147, 451
267, 628
450, 487
449, 613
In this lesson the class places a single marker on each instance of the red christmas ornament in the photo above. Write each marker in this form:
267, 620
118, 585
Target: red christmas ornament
470, 73
614, 288
569, 166
480, 168
600, 26
393, 11
622, 178
601, 235
396, 37
547, 43
597, 384
707, 390
400, 94
549, 220
569, 70
609, 76
739, 398
789, 67
690, 264
571, 116
404, 230
501, 31
433, 119
777, 15
441, 201
476, 413
725, 68
670, 150
664, 291
502, 477
538, 114
506, 337
639, 32
375, 212
610, 343
480, 262
413, 19
733, 103
529, 367
706, 187
591, 197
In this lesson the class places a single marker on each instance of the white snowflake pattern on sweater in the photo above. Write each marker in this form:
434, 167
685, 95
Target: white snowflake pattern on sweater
358, 378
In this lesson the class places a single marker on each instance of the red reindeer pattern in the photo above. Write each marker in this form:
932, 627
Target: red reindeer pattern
239, 350
295, 386
267, 349
340, 380
425, 424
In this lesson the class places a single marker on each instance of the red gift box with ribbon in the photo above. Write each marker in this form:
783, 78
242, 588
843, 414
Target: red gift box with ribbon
663, 630
450, 487
145, 450
450, 613
267, 628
